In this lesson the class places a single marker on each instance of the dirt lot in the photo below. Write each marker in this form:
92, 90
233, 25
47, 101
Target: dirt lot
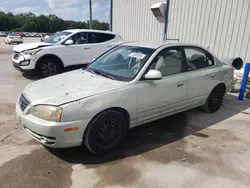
191, 149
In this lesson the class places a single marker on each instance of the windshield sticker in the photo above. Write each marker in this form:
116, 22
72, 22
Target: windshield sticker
137, 55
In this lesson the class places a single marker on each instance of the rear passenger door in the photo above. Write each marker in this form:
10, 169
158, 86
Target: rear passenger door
99, 43
201, 74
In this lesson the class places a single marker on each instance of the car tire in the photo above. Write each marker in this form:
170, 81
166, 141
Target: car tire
105, 132
214, 100
48, 67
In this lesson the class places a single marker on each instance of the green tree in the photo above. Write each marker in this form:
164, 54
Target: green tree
43, 23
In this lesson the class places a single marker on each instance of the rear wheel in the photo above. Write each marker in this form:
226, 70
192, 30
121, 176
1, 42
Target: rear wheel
105, 132
214, 100
49, 67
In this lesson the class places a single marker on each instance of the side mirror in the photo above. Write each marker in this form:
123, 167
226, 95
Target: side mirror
237, 63
69, 42
153, 75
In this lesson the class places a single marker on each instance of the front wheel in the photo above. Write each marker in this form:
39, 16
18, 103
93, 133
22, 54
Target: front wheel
214, 100
105, 132
49, 67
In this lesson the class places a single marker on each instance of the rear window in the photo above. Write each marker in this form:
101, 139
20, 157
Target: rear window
100, 37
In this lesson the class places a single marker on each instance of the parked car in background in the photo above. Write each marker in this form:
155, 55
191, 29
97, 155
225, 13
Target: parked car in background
130, 85
20, 34
44, 37
13, 38
64, 49
3, 34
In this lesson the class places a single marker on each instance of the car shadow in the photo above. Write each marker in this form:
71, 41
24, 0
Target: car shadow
157, 134
32, 75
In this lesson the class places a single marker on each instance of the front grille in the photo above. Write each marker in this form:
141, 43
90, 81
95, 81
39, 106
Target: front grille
23, 102
16, 55
15, 66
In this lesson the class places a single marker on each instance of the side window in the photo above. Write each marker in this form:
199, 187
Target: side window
198, 59
80, 38
100, 37
168, 61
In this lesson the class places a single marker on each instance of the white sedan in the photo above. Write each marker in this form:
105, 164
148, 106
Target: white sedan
13, 38
128, 86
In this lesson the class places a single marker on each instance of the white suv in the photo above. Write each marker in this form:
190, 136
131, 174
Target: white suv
64, 49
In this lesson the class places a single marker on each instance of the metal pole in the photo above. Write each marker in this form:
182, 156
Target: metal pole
90, 14
166, 21
244, 81
111, 15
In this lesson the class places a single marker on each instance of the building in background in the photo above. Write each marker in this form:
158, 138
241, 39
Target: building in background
221, 25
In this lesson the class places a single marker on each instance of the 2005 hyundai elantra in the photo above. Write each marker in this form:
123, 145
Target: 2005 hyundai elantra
130, 85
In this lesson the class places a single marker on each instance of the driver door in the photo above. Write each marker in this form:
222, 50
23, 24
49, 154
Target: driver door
79, 52
159, 98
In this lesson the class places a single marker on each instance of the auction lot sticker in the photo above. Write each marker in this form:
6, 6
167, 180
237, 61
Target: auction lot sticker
137, 55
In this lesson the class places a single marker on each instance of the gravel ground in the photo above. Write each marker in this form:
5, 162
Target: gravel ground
190, 149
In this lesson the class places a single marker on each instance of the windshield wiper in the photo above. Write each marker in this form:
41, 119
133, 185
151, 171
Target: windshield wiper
102, 73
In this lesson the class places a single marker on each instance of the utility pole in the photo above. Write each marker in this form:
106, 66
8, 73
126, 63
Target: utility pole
90, 14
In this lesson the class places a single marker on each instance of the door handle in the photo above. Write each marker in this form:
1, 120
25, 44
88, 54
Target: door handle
109, 46
213, 75
180, 84
86, 48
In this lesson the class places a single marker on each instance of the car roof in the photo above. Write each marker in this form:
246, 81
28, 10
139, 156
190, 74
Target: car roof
155, 45
89, 30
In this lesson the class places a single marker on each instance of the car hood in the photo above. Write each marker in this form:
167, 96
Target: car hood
30, 45
71, 86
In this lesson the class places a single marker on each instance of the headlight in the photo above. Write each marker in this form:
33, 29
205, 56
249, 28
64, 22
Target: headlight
49, 113
32, 52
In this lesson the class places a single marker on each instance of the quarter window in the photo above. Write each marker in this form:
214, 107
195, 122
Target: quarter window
100, 37
198, 59
168, 62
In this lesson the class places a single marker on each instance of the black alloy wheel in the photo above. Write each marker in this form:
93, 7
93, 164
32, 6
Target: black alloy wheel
49, 67
105, 132
214, 100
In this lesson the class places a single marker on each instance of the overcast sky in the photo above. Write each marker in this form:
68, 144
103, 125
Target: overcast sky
67, 9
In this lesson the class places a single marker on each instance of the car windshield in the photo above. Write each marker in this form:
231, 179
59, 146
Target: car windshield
122, 63
57, 37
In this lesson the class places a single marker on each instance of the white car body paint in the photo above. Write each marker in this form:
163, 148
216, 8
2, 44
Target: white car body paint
75, 54
30, 45
83, 95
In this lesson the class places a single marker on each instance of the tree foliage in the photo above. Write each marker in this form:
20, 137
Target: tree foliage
29, 22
